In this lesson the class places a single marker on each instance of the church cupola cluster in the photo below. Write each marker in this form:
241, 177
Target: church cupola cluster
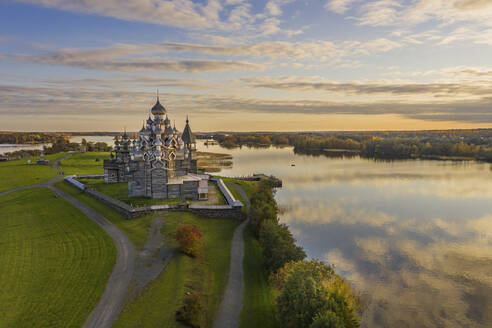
160, 162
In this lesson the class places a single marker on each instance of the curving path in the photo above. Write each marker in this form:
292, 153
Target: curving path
112, 300
232, 303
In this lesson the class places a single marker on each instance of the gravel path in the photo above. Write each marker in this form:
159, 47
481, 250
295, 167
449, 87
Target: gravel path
112, 301
153, 258
42, 184
232, 303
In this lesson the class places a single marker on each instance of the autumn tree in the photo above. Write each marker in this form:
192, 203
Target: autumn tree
188, 238
311, 294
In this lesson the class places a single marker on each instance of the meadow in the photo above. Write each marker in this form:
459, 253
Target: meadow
137, 230
206, 274
259, 295
84, 163
54, 262
19, 173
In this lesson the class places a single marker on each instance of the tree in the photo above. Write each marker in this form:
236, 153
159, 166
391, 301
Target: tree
279, 246
188, 238
189, 313
300, 299
311, 294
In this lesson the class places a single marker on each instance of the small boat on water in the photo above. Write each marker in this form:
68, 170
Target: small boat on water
210, 142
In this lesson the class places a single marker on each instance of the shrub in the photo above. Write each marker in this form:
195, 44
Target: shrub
188, 238
189, 313
311, 293
263, 206
278, 245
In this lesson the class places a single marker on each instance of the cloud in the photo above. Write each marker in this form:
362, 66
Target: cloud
131, 57
147, 64
43, 100
465, 88
397, 12
230, 16
339, 6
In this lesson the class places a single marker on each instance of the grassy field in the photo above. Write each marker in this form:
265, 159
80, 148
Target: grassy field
14, 174
207, 274
84, 163
259, 298
120, 191
136, 230
54, 261
248, 186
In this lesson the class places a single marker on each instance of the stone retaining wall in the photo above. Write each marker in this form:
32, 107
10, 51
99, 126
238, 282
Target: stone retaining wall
231, 210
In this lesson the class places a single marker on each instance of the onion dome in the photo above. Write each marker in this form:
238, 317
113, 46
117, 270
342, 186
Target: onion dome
187, 135
149, 120
167, 121
158, 109
142, 130
174, 128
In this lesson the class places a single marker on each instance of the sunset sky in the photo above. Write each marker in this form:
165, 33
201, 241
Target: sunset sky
237, 65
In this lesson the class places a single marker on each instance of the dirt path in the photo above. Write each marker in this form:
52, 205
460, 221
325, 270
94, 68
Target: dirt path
112, 300
153, 258
232, 303
42, 184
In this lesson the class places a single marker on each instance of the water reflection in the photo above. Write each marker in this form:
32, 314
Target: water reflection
414, 236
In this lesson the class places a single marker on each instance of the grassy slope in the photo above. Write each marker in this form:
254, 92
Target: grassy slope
54, 262
259, 300
136, 230
207, 274
84, 163
16, 174
120, 191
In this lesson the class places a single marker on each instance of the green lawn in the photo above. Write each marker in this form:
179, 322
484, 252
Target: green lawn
84, 163
207, 274
248, 186
136, 229
14, 174
54, 261
120, 191
259, 298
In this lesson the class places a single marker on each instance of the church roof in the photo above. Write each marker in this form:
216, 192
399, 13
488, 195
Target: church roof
158, 109
187, 135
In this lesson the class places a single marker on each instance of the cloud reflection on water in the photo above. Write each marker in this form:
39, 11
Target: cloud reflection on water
414, 236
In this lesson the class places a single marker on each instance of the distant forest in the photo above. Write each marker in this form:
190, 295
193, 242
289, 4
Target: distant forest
442, 144
436, 144
31, 137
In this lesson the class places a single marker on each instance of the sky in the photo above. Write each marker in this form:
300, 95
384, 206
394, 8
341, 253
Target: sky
237, 65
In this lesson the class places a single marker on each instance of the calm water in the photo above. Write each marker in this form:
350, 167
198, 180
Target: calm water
7, 148
414, 236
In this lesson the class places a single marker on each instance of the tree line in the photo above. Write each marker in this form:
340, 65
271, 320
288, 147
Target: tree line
29, 137
476, 144
309, 292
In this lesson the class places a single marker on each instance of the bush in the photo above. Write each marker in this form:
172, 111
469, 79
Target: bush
188, 238
278, 245
263, 206
189, 313
312, 294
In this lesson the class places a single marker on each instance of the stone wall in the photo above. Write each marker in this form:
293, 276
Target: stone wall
231, 210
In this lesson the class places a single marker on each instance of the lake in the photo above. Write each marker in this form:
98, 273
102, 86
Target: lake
415, 237
7, 148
